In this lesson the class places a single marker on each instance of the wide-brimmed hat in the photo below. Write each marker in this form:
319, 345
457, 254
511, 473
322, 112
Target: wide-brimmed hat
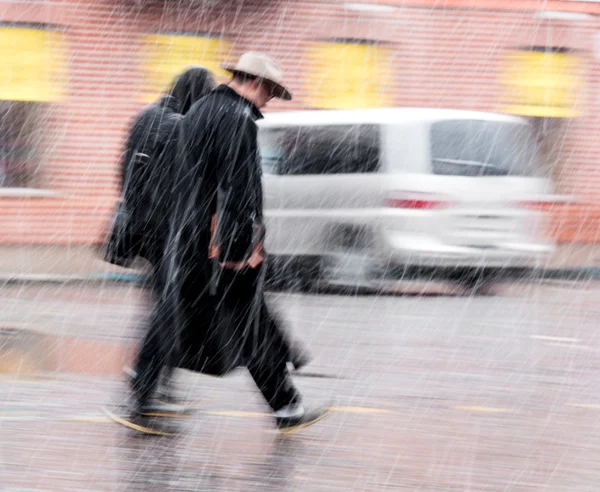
263, 66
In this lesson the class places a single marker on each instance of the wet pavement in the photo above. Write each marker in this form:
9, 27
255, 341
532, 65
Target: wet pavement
494, 393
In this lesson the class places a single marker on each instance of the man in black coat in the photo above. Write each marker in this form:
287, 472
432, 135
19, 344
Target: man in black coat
218, 248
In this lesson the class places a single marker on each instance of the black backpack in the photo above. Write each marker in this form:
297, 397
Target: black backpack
139, 218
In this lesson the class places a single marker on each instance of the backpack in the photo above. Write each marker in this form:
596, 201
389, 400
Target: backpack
137, 222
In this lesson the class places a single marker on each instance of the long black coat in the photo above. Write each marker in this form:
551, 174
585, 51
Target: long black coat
220, 176
219, 181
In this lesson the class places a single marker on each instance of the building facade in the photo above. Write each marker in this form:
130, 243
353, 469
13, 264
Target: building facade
77, 71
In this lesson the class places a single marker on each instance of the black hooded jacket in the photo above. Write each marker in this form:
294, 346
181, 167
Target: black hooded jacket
139, 225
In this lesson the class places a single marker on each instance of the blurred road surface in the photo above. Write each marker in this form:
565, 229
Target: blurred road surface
430, 393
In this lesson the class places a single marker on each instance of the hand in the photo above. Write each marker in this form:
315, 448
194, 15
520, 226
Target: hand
256, 258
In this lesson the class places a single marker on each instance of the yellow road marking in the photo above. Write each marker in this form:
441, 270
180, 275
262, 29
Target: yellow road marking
592, 406
166, 415
555, 339
196, 404
234, 413
136, 427
483, 409
242, 414
16, 414
216, 413
14, 377
90, 420
359, 410
570, 346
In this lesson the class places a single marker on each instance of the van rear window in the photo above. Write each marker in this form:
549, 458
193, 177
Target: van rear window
483, 148
335, 149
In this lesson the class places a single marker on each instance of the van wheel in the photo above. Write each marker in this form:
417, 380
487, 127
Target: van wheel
293, 275
309, 276
279, 275
272, 278
482, 289
477, 283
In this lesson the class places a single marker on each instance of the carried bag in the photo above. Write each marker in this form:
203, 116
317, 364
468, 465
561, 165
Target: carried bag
122, 244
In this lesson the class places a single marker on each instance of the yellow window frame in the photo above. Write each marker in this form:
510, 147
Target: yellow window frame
541, 83
34, 64
164, 56
348, 74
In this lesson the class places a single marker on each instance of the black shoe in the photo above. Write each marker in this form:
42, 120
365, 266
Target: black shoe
130, 376
160, 409
291, 425
141, 424
299, 357
164, 393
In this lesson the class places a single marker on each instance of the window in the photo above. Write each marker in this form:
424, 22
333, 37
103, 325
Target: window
550, 134
547, 85
21, 131
348, 73
34, 63
167, 55
321, 150
34, 74
543, 81
483, 148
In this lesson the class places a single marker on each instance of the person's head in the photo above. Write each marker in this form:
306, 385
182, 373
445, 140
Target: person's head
258, 78
191, 86
257, 90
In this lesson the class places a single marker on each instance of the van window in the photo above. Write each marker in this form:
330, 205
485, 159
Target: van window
335, 149
483, 148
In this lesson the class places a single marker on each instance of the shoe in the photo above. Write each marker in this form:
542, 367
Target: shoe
130, 376
299, 357
292, 422
144, 425
164, 394
156, 408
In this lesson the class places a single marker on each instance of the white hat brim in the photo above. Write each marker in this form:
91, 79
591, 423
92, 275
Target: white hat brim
280, 91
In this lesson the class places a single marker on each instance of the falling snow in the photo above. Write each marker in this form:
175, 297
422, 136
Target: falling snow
436, 258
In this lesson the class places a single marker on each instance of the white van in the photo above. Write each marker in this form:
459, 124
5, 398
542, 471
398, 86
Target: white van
403, 190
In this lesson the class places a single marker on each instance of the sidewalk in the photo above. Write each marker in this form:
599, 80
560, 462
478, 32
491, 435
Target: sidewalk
61, 264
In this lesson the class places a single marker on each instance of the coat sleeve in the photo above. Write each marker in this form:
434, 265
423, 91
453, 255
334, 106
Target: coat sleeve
122, 243
134, 137
239, 186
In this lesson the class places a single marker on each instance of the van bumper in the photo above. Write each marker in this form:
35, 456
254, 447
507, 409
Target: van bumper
506, 255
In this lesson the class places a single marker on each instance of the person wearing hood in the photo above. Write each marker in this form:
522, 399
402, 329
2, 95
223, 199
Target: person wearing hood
140, 224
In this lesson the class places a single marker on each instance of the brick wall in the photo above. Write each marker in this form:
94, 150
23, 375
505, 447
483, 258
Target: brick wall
441, 57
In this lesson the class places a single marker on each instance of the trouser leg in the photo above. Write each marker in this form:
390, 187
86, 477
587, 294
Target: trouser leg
265, 345
270, 373
157, 346
151, 358
268, 363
